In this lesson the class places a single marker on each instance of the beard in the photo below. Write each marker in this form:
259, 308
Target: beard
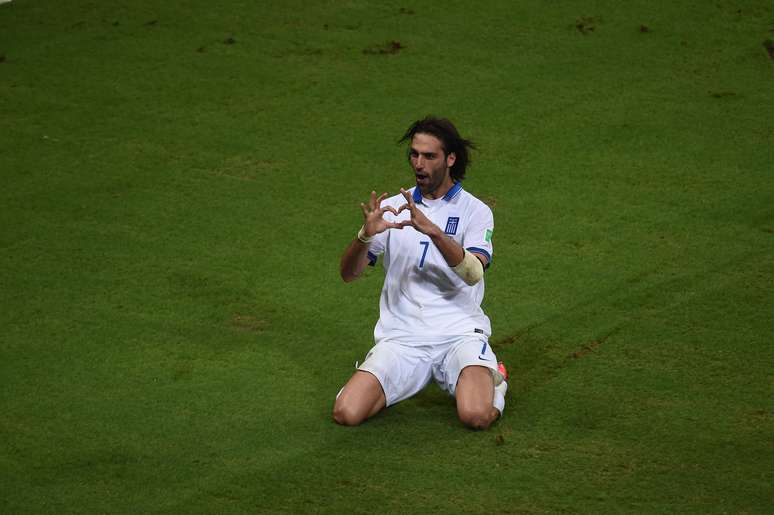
430, 180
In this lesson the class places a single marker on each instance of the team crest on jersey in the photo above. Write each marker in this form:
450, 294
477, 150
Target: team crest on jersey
488, 236
451, 225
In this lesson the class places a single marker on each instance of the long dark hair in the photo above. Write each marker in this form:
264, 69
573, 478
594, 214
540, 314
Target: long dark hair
450, 139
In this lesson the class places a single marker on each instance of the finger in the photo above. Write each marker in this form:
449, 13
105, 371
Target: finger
394, 225
381, 198
407, 196
405, 223
390, 209
372, 203
402, 208
364, 208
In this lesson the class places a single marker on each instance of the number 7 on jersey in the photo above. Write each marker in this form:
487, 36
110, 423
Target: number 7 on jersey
426, 245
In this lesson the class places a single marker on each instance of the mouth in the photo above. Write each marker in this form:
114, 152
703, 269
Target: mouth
422, 178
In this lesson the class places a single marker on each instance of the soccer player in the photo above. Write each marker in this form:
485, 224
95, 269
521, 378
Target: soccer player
436, 242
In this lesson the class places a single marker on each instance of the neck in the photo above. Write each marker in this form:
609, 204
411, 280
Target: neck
441, 190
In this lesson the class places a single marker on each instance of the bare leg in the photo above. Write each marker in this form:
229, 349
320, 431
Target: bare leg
361, 398
475, 391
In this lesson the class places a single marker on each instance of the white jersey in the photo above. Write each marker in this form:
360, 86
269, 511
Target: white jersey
422, 298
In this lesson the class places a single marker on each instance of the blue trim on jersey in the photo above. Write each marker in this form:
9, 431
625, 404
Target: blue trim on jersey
372, 258
478, 250
453, 191
417, 195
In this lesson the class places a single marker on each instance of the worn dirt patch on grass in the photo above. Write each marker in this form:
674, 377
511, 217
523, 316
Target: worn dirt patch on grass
248, 323
769, 46
586, 24
490, 201
388, 48
586, 349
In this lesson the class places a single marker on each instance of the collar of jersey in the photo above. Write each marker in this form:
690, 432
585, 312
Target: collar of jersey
449, 194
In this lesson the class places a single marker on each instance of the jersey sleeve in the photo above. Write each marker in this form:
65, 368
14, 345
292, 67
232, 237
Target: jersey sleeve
478, 234
376, 248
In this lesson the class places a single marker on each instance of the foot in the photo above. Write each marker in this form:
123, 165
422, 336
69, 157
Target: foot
501, 388
502, 375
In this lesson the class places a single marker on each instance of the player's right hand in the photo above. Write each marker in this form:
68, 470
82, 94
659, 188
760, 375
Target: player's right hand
373, 213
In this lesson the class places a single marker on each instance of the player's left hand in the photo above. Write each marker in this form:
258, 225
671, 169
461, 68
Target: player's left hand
418, 219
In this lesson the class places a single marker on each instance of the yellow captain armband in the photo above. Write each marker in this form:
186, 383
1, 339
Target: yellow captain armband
470, 270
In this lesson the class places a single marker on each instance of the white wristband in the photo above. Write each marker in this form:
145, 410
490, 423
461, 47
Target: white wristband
362, 237
470, 270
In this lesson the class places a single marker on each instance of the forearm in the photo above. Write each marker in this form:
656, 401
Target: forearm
451, 251
354, 260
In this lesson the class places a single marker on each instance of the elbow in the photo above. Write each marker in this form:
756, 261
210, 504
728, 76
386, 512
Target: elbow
470, 270
347, 276
472, 281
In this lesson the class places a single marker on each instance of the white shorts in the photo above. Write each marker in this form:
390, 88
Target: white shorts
405, 369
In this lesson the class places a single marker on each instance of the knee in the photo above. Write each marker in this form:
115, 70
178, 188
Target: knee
345, 415
476, 418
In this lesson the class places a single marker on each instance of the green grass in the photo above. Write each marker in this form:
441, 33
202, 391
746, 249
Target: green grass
179, 181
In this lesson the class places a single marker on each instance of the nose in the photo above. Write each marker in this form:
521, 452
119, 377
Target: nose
419, 162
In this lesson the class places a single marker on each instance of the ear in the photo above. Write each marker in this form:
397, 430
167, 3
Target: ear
451, 159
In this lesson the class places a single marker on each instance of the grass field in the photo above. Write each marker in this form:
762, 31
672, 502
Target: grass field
180, 180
